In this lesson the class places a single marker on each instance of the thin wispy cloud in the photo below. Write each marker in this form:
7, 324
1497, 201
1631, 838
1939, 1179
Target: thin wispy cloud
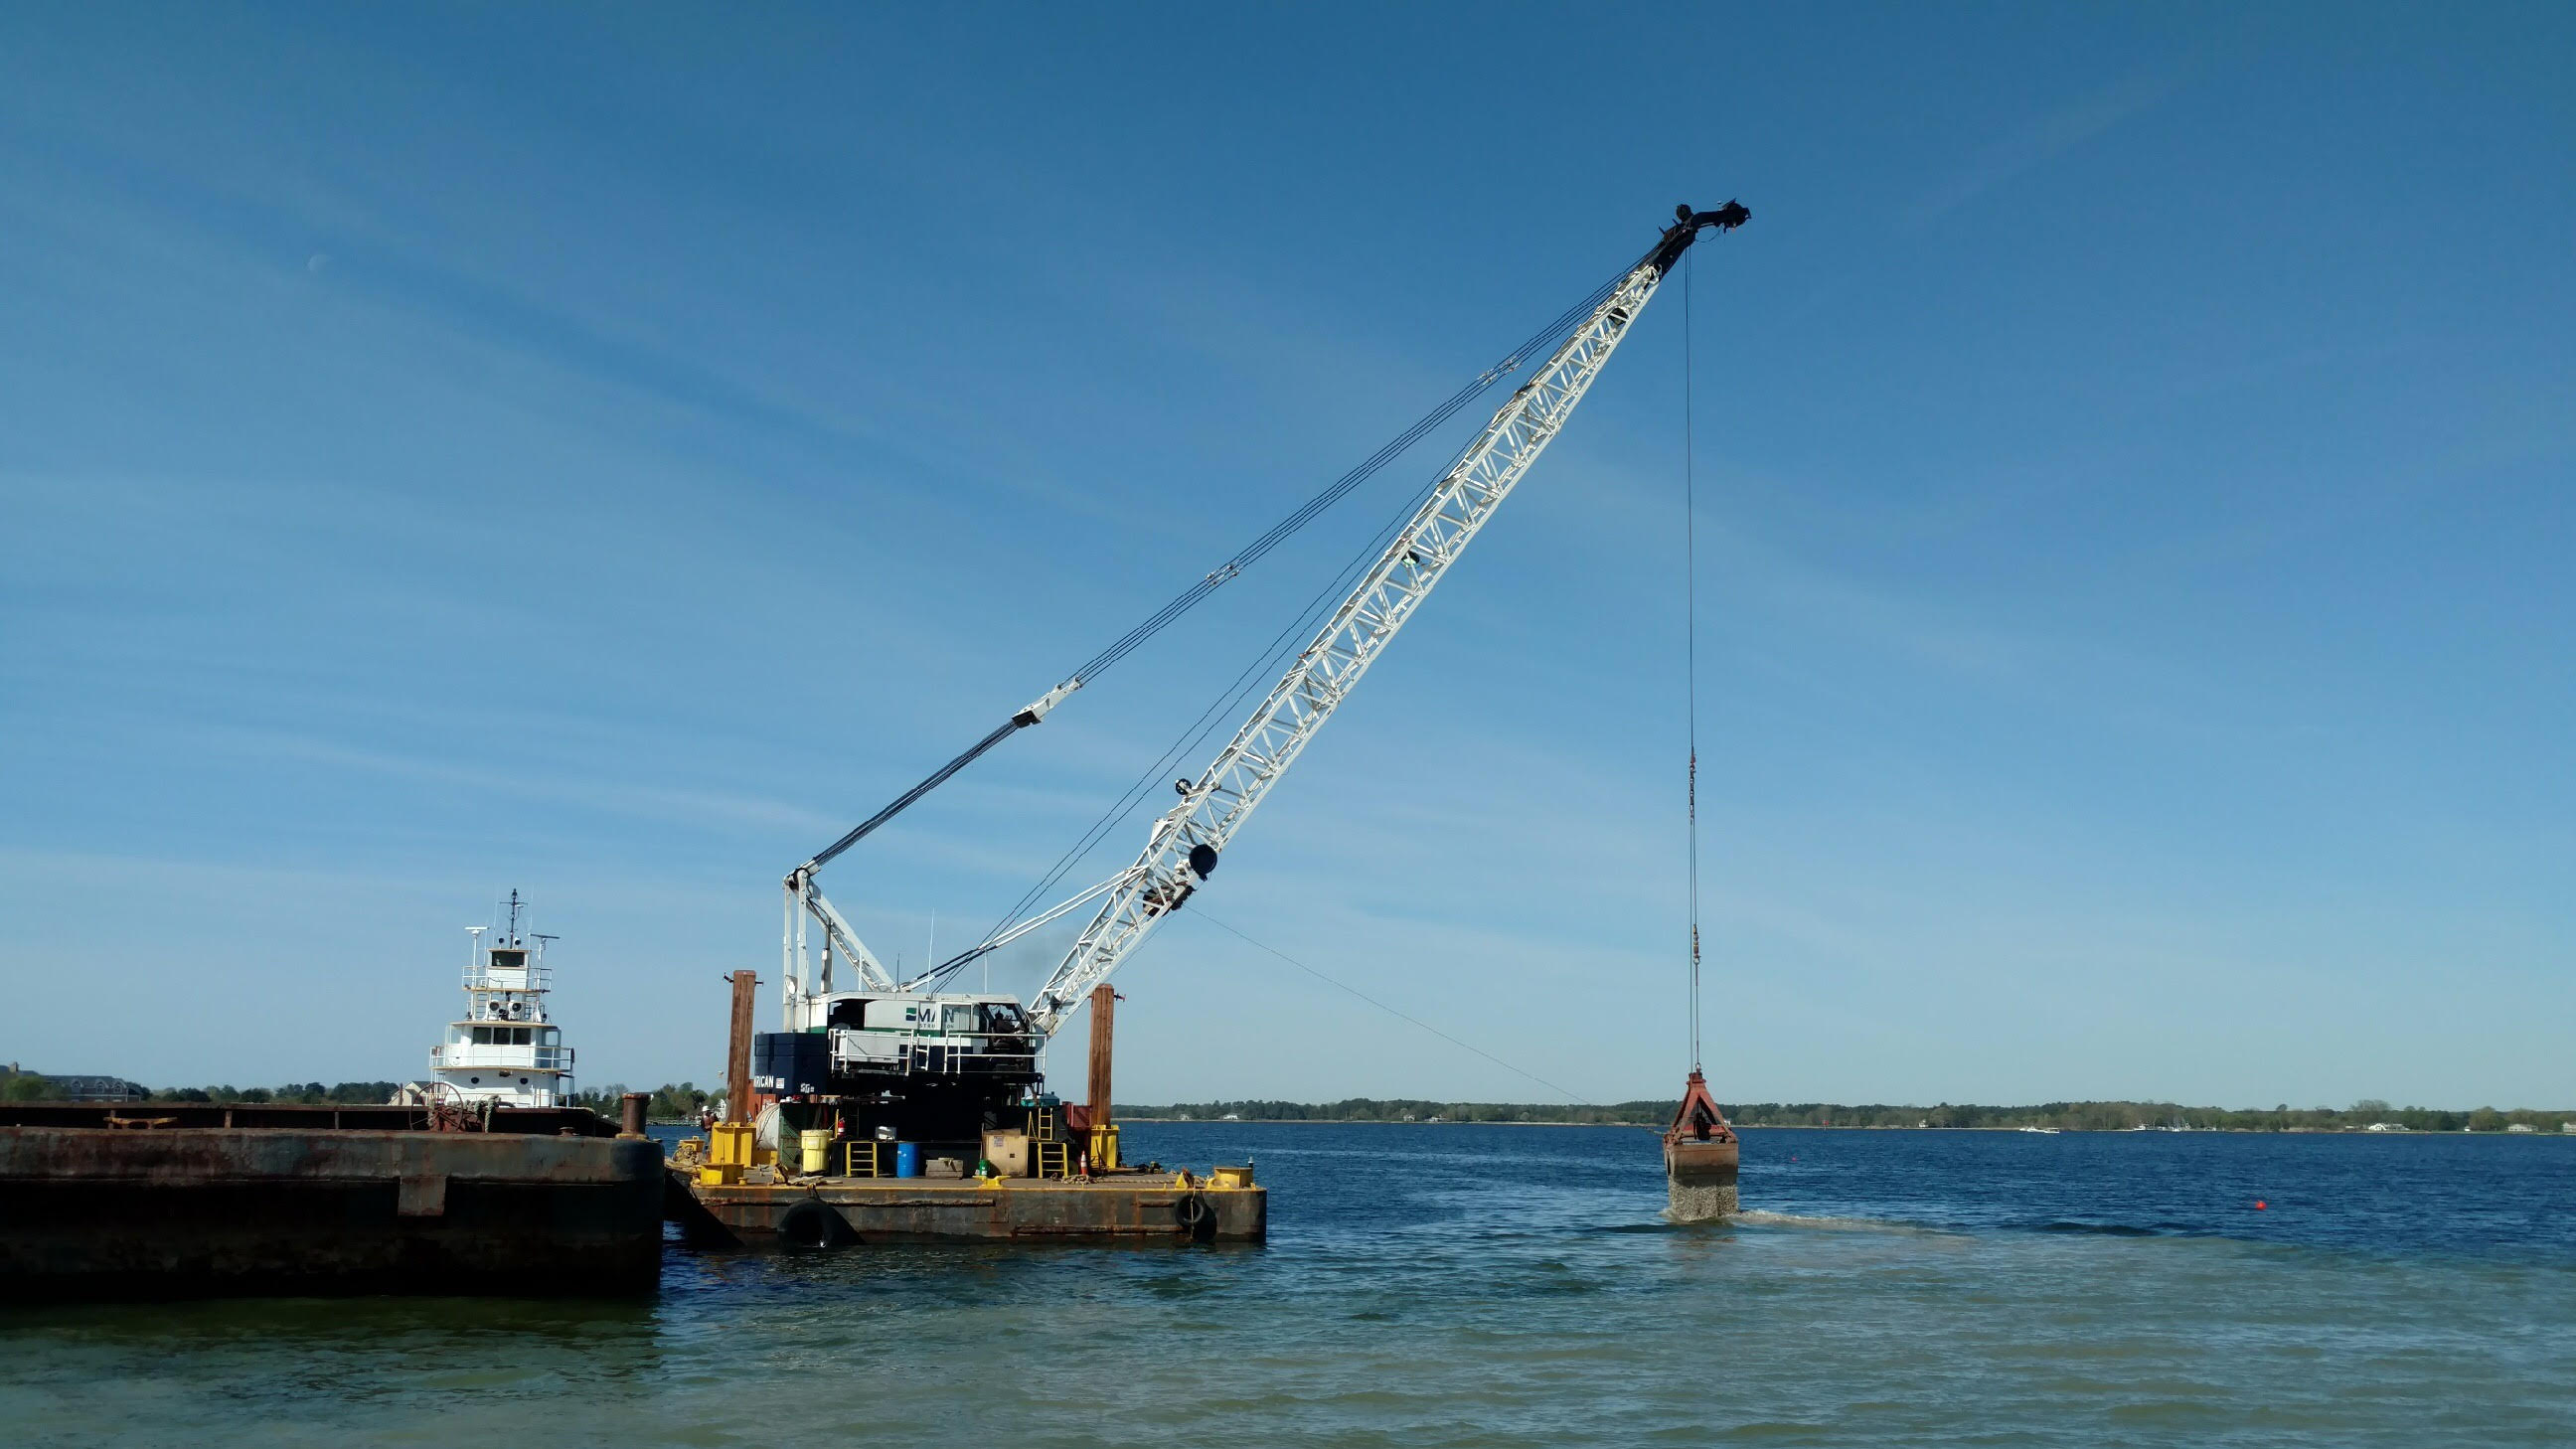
2042, 141
603, 469
676, 805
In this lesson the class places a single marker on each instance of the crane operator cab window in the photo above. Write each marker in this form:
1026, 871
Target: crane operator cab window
928, 1017
981, 1018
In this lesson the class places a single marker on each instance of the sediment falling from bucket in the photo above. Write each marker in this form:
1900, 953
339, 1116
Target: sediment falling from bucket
1699, 1204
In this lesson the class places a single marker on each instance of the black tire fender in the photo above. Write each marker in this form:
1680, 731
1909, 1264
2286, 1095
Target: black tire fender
813, 1223
1196, 1216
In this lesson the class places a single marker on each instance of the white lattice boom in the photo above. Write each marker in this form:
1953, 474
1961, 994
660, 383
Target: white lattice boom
1184, 844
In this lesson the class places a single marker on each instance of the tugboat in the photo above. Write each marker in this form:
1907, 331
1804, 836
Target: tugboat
505, 1050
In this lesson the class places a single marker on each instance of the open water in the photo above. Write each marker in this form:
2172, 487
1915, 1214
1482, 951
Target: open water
1455, 1285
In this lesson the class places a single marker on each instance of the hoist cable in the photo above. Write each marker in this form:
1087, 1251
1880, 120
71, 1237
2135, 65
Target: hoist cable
1690, 647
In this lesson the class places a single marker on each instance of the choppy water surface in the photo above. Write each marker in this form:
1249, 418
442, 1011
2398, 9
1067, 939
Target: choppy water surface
1453, 1285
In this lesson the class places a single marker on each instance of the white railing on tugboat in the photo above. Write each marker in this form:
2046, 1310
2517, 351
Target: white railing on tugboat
479, 977
510, 1058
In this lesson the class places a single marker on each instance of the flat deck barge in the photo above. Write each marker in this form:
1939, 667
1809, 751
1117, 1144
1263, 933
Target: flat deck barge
845, 1211
165, 1200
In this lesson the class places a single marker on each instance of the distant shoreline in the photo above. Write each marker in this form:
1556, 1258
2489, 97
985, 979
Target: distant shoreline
2367, 1115
681, 1102
1849, 1127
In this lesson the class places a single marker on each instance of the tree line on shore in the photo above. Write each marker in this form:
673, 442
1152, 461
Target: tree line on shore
671, 1102
2066, 1116
683, 1101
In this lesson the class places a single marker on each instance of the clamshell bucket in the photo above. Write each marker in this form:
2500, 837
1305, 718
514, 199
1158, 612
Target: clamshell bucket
1700, 1158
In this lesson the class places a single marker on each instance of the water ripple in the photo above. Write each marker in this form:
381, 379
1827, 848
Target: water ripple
1467, 1286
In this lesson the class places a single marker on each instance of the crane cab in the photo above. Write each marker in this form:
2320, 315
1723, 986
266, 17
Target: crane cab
877, 1035
933, 1068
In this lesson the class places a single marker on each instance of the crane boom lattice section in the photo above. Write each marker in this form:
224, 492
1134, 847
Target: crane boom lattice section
1185, 843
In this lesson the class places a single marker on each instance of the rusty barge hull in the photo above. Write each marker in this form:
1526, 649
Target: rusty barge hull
295, 1206
1119, 1208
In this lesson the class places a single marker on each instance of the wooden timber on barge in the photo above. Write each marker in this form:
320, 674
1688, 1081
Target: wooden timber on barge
168, 1200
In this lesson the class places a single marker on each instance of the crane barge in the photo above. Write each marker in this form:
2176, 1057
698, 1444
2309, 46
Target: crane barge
865, 1061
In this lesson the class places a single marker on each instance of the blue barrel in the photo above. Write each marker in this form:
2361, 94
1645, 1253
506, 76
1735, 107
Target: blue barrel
907, 1159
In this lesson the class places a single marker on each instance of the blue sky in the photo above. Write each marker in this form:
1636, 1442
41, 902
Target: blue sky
607, 452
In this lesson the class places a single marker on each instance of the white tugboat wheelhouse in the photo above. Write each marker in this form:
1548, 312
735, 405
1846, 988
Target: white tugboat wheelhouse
505, 1049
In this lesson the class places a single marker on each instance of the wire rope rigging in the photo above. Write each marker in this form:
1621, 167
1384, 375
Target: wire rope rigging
1345, 626
838, 935
1700, 1150
1690, 645
911, 1061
